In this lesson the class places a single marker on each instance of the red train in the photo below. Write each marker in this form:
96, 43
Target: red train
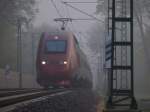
59, 62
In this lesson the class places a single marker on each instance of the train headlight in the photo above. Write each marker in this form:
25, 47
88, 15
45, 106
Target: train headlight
65, 62
43, 62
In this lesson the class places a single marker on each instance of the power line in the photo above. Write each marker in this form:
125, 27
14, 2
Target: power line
68, 13
83, 19
63, 8
73, 19
73, 27
81, 2
57, 10
83, 12
61, 19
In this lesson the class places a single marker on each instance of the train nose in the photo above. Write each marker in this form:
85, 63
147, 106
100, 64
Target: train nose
54, 67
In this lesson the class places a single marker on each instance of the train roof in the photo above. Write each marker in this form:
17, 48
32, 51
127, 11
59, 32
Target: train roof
63, 34
58, 33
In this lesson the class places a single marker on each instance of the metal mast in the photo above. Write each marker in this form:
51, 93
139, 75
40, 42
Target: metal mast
121, 80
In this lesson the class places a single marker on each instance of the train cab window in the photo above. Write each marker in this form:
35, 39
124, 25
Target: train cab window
56, 46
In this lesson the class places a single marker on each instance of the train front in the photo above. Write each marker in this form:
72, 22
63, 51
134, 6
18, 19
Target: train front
52, 61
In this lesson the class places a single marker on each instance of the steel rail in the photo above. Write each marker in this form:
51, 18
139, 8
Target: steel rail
14, 100
17, 92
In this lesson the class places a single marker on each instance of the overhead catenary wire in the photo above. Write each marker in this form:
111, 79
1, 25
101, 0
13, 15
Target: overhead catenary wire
80, 2
57, 10
77, 19
68, 13
82, 19
83, 12
63, 8
59, 14
73, 26
79, 10
79, 33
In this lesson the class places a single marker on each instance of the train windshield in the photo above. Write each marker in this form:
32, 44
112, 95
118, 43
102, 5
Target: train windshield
55, 46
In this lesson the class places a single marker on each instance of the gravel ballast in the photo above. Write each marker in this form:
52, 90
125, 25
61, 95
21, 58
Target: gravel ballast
81, 100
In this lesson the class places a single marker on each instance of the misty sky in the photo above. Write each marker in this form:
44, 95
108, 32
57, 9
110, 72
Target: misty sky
47, 13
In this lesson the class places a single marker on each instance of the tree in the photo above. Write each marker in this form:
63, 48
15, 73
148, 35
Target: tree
10, 11
142, 17
142, 11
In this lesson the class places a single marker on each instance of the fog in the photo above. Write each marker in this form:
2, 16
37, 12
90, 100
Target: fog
47, 13
85, 30
91, 39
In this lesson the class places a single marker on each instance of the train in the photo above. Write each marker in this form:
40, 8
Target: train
60, 61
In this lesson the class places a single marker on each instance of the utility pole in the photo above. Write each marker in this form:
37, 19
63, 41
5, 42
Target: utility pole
33, 56
19, 51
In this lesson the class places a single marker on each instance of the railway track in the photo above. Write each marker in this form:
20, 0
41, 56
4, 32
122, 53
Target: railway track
5, 93
11, 99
